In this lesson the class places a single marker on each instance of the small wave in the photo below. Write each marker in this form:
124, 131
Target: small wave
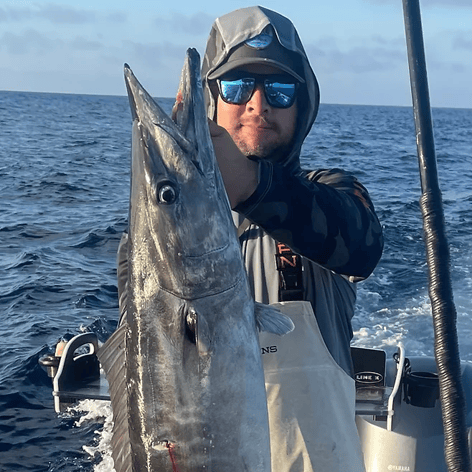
349, 145
60, 186
23, 371
110, 230
102, 297
18, 290
12, 228
81, 143
34, 232
30, 235
33, 289
97, 238
22, 260
16, 399
91, 240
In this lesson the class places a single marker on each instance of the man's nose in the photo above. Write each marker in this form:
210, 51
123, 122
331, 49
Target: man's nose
258, 102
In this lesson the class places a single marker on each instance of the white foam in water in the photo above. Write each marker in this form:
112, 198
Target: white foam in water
385, 328
411, 324
96, 411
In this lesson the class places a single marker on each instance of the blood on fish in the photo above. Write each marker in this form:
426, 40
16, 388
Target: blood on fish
170, 447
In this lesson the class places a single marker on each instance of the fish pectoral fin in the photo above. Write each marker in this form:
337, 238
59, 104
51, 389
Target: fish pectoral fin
272, 320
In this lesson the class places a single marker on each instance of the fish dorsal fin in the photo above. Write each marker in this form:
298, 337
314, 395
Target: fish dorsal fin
270, 319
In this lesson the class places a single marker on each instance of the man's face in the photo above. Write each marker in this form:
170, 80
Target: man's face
257, 128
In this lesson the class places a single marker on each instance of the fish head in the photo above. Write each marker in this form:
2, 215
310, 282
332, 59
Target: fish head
181, 230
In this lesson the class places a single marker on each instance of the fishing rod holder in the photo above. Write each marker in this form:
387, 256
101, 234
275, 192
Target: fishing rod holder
421, 389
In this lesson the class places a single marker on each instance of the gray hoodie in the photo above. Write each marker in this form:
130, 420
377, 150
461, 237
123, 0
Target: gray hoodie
325, 216
234, 28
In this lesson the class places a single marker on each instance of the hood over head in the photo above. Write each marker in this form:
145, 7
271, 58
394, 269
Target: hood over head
278, 44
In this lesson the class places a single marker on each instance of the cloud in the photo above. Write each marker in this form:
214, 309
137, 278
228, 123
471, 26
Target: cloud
458, 68
448, 3
463, 42
196, 24
116, 17
56, 14
14, 14
430, 3
158, 53
29, 41
381, 55
59, 14
32, 41
83, 44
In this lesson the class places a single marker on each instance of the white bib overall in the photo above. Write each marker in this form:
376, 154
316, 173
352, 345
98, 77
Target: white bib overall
311, 400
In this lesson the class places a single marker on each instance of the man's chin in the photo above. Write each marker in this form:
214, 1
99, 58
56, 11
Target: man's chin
272, 153
258, 151
257, 154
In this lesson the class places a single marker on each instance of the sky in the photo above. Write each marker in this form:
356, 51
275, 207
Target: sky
357, 48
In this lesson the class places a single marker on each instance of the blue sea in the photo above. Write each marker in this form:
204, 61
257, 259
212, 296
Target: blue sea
64, 186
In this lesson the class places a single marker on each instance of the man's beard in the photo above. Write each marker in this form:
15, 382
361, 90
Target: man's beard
273, 151
270, 151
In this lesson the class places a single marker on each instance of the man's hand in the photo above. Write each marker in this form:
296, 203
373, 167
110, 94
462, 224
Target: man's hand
240, 174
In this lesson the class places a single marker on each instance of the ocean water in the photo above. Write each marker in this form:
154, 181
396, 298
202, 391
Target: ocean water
64, 186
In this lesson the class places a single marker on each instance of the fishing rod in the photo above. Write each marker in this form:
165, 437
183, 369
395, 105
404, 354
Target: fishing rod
446, 347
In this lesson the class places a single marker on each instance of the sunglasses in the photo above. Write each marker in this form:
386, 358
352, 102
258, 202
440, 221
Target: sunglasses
280, 91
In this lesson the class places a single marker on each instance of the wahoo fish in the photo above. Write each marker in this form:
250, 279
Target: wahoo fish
185, 370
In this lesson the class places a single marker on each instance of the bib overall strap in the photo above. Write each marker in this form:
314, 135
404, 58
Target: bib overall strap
289, 266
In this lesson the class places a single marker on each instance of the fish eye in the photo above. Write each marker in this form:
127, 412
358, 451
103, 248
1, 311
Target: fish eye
166, 193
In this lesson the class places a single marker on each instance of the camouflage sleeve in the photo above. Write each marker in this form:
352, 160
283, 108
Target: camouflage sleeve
325, 215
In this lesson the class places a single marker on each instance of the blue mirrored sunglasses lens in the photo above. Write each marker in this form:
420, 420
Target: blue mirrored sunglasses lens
237, 91
280, 95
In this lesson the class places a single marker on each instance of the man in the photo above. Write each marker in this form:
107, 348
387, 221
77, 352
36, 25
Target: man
304, 235
325, 216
